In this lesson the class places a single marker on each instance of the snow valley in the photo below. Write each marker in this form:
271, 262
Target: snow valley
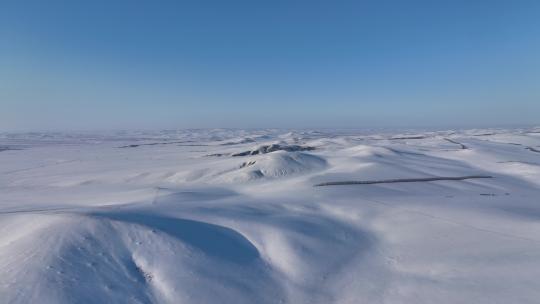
270, 216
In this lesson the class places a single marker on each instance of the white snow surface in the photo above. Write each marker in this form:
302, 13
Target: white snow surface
173, 217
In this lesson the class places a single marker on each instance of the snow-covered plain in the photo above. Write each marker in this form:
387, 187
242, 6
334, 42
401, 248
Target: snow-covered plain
174, 217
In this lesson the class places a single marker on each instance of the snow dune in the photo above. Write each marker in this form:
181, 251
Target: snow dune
176, 217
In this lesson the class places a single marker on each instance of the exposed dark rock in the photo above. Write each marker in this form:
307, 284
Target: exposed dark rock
216, 155
243, 141
4, 148
518, 162
275, 147
181, 143
402, 152
247, 164
463, 147
409, 137
402, 180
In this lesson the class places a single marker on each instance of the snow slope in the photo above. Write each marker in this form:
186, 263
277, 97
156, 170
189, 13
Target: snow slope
188, 217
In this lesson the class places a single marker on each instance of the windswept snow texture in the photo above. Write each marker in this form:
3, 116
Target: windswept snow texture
175, 217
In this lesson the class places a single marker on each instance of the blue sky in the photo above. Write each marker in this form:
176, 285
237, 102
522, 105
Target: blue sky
75, 65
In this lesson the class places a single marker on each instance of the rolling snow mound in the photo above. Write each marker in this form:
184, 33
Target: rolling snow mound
278, 164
